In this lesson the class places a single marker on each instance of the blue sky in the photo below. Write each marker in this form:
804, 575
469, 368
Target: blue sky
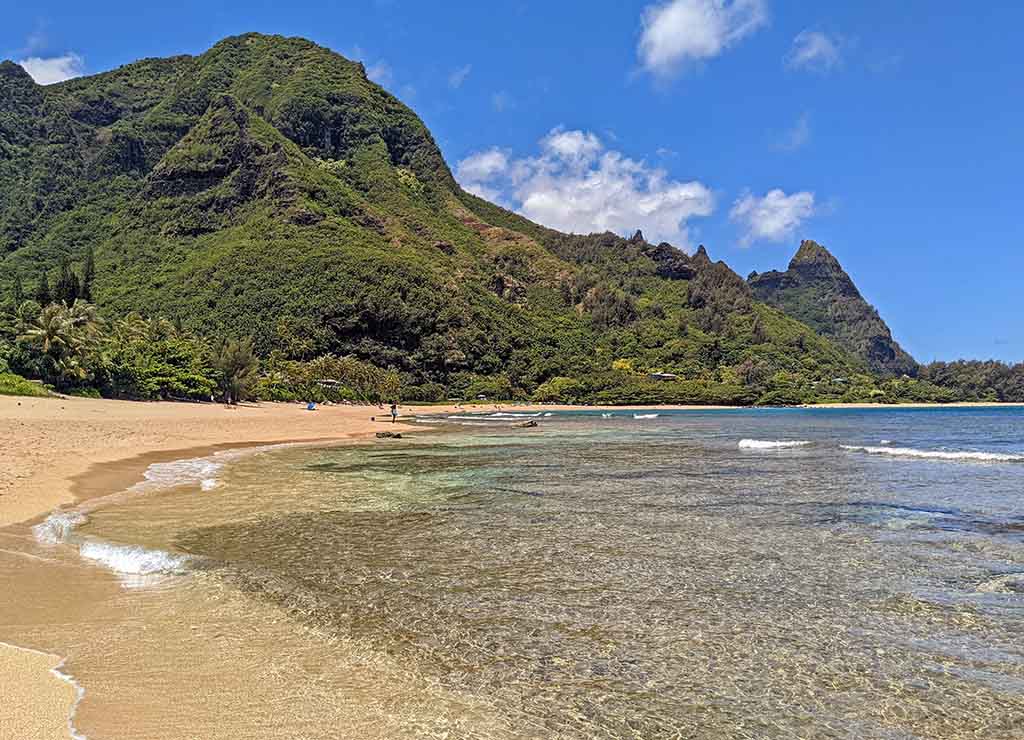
890, 134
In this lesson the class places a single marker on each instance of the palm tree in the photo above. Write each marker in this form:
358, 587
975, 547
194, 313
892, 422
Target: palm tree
130, 329
238, 366
62, 337
51, 332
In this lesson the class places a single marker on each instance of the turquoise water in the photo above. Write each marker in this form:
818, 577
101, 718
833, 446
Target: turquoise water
761, 573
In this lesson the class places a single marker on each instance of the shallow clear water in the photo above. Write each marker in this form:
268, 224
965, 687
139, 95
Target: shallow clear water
676, 576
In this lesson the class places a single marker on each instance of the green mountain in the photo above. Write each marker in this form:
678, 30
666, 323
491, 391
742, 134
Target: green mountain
817, 291
268, 188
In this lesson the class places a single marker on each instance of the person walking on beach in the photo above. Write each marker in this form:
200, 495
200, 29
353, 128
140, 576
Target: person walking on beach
394, 413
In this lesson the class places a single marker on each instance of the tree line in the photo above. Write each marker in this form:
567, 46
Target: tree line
70, 348
58, 337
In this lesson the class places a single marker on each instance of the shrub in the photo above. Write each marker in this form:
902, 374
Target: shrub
15, 385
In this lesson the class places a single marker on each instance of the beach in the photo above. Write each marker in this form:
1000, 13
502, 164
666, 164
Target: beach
55, 451
59, 451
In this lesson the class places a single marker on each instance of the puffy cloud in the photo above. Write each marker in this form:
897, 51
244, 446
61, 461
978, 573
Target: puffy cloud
576, 184
773, 217
679, 31
815, 51
574, 148
481, 166
458, 76
49, 70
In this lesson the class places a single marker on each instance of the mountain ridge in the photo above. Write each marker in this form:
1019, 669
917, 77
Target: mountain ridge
268, 188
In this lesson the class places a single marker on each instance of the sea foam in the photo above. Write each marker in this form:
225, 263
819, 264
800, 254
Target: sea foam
768, 444
136, 565
645, 416
57, 527
954, 455
193, 471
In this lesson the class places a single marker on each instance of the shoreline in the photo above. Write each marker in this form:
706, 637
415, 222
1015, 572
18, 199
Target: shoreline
41, 683
59, 452
30, 487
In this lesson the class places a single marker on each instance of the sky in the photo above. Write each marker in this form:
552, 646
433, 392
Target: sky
890, 133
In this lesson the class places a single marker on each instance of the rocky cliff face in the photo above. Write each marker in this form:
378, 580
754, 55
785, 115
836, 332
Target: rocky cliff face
817, 291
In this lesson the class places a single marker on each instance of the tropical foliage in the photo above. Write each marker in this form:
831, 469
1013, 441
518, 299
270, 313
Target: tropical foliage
263, 220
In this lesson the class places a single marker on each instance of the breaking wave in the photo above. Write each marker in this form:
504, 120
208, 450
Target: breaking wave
137, 566
954, 455
767, 444
645, 416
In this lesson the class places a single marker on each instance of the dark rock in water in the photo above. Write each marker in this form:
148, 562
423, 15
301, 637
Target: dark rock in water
389, 435
527, 425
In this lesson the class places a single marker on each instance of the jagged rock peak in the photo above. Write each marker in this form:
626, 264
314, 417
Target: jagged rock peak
638, 238
817, 291
812, 253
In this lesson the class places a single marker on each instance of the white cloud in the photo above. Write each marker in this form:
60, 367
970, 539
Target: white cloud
458, 76
796, 136
48, 70
774, 217
815, 51
380, 73
575, 148
681, 31
481, 166
576, 184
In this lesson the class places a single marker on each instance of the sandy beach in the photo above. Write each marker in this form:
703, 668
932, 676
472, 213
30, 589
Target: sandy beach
55, 451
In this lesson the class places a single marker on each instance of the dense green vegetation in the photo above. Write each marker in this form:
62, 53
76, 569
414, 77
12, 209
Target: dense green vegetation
15, 385
974, 380
264, 220
817, 291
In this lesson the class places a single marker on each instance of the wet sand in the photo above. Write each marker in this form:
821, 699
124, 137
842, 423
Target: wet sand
57, 451
36, 701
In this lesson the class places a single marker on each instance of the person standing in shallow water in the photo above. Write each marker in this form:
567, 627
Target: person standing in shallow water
394, 413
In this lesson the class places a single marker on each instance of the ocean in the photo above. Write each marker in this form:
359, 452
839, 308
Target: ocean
848, 573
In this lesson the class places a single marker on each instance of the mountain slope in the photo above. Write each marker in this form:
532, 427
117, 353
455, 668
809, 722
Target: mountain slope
269, 188
817, 291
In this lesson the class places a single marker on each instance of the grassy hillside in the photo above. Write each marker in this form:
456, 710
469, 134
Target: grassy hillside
269, 189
